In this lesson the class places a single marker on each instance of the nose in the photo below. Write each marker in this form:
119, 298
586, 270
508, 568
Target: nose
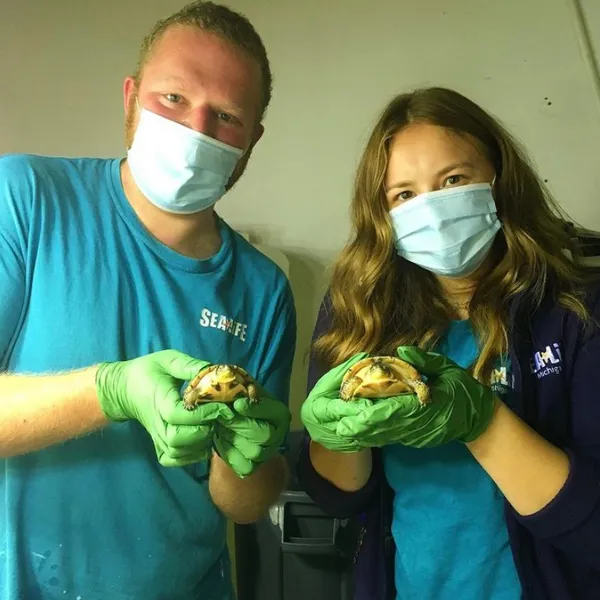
201, 119
432, 187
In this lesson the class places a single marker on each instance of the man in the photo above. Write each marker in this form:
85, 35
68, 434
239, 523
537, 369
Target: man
118, 282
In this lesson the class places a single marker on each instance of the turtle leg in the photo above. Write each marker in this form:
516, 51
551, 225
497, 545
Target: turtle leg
253, 393
189, 398
347, 388
189, 403
422, 392
192, 402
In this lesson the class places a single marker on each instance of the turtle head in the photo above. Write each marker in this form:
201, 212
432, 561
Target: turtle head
379, 370
225, 373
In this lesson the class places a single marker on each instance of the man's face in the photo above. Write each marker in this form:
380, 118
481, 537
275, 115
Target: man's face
203, 82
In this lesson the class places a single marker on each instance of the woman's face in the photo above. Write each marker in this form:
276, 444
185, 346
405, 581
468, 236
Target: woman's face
426, 158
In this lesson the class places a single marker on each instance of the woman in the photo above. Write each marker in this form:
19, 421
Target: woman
460, 265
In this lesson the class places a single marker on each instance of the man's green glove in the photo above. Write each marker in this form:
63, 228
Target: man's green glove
459, 409
147, 389
323, 410
255, 433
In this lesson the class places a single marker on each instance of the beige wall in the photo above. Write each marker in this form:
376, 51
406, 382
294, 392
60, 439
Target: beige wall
336, 64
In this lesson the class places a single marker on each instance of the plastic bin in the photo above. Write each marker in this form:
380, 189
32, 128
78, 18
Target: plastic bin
297, 552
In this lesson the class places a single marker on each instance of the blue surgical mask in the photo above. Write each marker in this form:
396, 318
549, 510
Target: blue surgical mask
178, 169
448, 232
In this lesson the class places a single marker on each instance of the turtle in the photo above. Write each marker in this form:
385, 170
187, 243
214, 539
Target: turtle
220, 383
382, 377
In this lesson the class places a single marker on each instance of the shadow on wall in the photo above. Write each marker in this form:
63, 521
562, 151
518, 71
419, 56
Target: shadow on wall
307, 277
308, 280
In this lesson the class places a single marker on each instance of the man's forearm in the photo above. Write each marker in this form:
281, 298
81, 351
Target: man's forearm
247, 500
37, 411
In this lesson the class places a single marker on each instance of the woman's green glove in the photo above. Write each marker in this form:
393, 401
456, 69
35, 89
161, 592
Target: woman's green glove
254, 434
459, 409
323, 410
147, 389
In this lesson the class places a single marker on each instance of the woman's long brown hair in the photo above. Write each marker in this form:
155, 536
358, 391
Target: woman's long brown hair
380, 301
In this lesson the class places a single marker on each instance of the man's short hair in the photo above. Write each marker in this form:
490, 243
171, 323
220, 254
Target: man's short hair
219, 20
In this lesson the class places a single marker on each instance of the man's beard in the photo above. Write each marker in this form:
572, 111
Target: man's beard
239, 170
130, 121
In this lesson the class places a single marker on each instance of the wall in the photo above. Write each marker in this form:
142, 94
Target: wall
336, 64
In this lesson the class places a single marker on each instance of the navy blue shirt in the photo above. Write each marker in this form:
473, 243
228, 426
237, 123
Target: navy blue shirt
556, 383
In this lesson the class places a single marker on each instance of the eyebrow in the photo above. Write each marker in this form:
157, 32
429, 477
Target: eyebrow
460, 165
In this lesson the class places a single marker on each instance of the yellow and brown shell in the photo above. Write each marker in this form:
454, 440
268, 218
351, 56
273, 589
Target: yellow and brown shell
219, 383
382, 377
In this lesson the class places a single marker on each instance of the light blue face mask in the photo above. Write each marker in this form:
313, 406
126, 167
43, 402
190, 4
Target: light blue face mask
178, 169
448, 232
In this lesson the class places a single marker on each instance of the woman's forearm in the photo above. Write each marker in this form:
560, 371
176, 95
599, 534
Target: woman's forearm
528, 469
347, 471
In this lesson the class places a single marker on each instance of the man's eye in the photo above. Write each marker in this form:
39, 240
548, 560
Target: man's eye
227, 118
174, 98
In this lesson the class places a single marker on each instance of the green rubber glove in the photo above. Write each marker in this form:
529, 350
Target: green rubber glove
255, 433
323, 410
460, 408
147, 389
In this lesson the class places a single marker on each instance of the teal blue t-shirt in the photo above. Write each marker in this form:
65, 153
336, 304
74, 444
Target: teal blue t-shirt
82, 281
448, 524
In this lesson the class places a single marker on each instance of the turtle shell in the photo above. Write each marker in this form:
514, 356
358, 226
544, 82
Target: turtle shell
382, 377
219, 383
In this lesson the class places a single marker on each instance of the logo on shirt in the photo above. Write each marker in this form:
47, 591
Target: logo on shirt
547, 361
499, 376
501, 380
216, 321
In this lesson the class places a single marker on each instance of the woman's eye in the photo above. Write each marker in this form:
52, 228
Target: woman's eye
174, 98
405, 195
453, 179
